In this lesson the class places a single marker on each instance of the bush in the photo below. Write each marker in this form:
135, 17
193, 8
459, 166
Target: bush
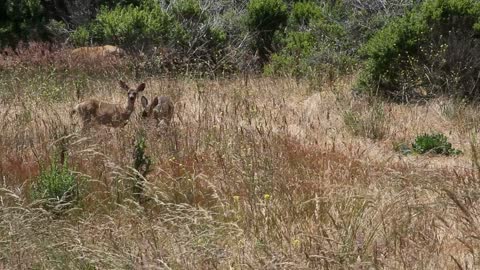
131, 26
265, 17
293, 59
434, 143
188, 10
57, 185
303, 13
431, 50
141, 163
310, 40
81, 36
21, 20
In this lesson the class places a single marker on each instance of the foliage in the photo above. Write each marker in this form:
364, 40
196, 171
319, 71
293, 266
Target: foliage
265, 17
188, 10
293, 58
315, 45
81, 36
141, 163
56, 184
400, 55
20, 19
131, 26
304, 12
434, 143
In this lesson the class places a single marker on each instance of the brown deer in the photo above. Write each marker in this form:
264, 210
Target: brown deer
161, 109
93, 111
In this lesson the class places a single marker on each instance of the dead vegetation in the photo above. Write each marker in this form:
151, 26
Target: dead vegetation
266, 175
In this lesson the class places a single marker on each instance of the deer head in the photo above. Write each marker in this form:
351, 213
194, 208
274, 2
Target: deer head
148, 108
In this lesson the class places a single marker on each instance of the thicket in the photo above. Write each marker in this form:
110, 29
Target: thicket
433, 50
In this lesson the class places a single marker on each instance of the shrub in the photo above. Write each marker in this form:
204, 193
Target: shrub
304, 12
293, 59
20, 20
81, 36
433, 48
188, 10
434, 143
265, 17
141, 163
131, 26
57, 185
316, 45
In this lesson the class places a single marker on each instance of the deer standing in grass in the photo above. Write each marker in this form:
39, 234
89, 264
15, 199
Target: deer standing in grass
161, 109
93, 111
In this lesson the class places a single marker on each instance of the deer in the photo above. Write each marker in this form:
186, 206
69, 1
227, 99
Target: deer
161, 109
93, 111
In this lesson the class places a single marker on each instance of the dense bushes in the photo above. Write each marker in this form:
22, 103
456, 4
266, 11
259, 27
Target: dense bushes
20, 19
128, 26
432, 50
265, 17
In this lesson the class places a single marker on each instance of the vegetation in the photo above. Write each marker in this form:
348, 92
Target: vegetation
56, 185
289, 169
434, 143
431, 50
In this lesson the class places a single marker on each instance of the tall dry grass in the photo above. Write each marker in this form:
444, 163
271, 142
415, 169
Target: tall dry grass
263, 176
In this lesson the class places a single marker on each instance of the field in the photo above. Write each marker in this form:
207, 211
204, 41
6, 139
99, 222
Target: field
268, 174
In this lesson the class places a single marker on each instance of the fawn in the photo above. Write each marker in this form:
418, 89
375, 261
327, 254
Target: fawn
161, 109
93, 111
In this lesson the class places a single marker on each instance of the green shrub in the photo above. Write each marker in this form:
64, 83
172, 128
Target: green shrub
294, 58
57, 185
188, 10
131, 26
141, 163
304, 12
265, 17
432, 47
20, 20
315, 46
81, 36
434, 143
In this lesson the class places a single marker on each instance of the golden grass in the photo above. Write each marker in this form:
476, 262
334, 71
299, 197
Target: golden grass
264, 176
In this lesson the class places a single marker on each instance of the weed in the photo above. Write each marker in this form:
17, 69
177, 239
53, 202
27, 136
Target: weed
56, 185
434, 143
141, 163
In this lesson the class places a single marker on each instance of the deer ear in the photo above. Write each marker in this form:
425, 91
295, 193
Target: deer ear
144, 102
155, 102
141, 87
123, 85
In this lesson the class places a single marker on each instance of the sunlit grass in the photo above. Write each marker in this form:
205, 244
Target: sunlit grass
266, 175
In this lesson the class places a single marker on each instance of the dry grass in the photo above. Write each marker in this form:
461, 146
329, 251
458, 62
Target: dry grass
264, 176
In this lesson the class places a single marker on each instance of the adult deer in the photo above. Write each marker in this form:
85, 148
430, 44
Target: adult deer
161, 109
93, 111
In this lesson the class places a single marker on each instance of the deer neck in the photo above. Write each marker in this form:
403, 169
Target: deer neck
129, 109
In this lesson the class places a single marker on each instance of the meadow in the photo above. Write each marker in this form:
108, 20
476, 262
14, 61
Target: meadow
269, 173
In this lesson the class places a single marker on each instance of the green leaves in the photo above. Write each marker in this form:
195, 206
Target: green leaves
129, 26
390, 50
434, 143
